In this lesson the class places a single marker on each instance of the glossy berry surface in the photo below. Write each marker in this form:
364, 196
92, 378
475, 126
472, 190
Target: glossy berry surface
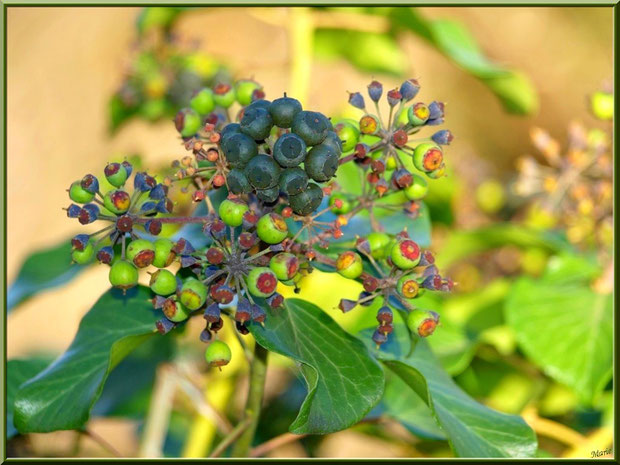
117, 201
271, 228
239, 149
283, 110
232, 211
422, 322
311, 126
408, 286
307, 201
78, 194
175, 311
262, 172
427, 157
293, 180
244, 89
187, 122
163, 282
238, 182
123, 275
379, 243
418, 188
85, 255
321, 163
115, 174
256, 123
289, 150
217, 354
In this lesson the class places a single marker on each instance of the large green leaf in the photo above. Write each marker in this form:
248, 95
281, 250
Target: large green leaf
513, 88
367, 51
344, 381
18, 371
564, 326
43, 270
472, 429
61, 396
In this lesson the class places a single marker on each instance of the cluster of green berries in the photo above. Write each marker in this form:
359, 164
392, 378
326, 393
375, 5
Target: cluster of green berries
126, 216
401, 272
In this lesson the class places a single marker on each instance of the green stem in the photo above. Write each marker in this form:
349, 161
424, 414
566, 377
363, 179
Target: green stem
258, 371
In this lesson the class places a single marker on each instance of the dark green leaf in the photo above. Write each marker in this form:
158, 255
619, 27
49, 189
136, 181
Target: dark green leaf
61, 396
18, 371
367, 51
564, 326
43, 270
344, 382
472, 429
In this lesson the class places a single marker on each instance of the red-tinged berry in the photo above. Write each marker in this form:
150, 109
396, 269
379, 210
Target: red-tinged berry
88, 214
409, 89
85, 255
427, 157
215, 228
427, 258
164, 255
340, 204
385, 315
187, 122
432, 282
379, 338
422, 322
247, 240
141, 252
212, 313
363, 245
105, 255
123, 275
116, 174
275, 300
407, 286
349, 265
378, 166
438, 173
193, 294
386, 329
218, 180
381, 185
242, 328
375, 90
370, 284
117, 201
222, 294
164, 326
418, 114
153, 227
198, 196
261, 282
405, 254
80, 195
284, 265
271, 228
402, 178
436, 110
361, 151
243, 312
347, 305
215, 255
218, 354
90, 183
128, 167
213, 155
287, 212
369, 124
258, 314
73, 210
400, 138
394, 97
163, 282
80, 241
223, 95
215, 327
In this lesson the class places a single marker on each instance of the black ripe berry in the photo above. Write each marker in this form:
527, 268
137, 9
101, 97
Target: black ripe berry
311, 126
321, 163
283, 111
262, 172
289, 150
306, 201
293, 181
229, 130
256, 123
238, 182
239, 149
269, 195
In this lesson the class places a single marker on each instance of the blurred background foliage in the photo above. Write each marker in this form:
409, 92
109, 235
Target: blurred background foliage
529, 329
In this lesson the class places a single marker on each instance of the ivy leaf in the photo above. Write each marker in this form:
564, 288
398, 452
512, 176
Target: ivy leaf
472, 429
62, 395
18, 371
565, 327
43, 270
344, 381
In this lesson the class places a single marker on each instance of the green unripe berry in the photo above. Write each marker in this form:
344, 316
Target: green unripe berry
379, 244
163, 282
79, 194
418, 188
117, 201
405, 254
202, 102
232, 211
175, 311
115, 174
321, 163
427, 157
293, 180
83, 257
349, 134
141, 252
262, 282
418, 114
408, 286
217, 354
164, 255
306, 201
271, 228
193, 294
422, 322
123, 275
223, 95
262, 172
283, 111
345, 206
349, 265
289, 150
311, 126
238, 182
438, 173
187, 122
285, 265
244, 89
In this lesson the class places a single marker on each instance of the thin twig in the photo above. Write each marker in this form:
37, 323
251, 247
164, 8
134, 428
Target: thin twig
102, 442
274, 443
231, 437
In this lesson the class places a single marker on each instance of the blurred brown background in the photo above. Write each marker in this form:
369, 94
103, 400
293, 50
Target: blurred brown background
64, 63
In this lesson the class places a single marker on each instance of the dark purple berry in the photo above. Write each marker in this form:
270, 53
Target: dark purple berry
363, 245
347, 305
148, 207
443, 137
409, 89
427, 259
183, 247
222, 294
90, 183
215, 327
362, 296
244, 311
88, 213
379, 338
80, 241
436, 113
258, 314
206, 336
73, 211
402, 178
375, 90
357, 100
385, 315
164, 325
158, 301
128, 167
105, 255
430, 271
164, 206
393, 97
187, 261
242, 328
247, 240
153, 227
432, 283
158, 192
212, 313
275, 300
